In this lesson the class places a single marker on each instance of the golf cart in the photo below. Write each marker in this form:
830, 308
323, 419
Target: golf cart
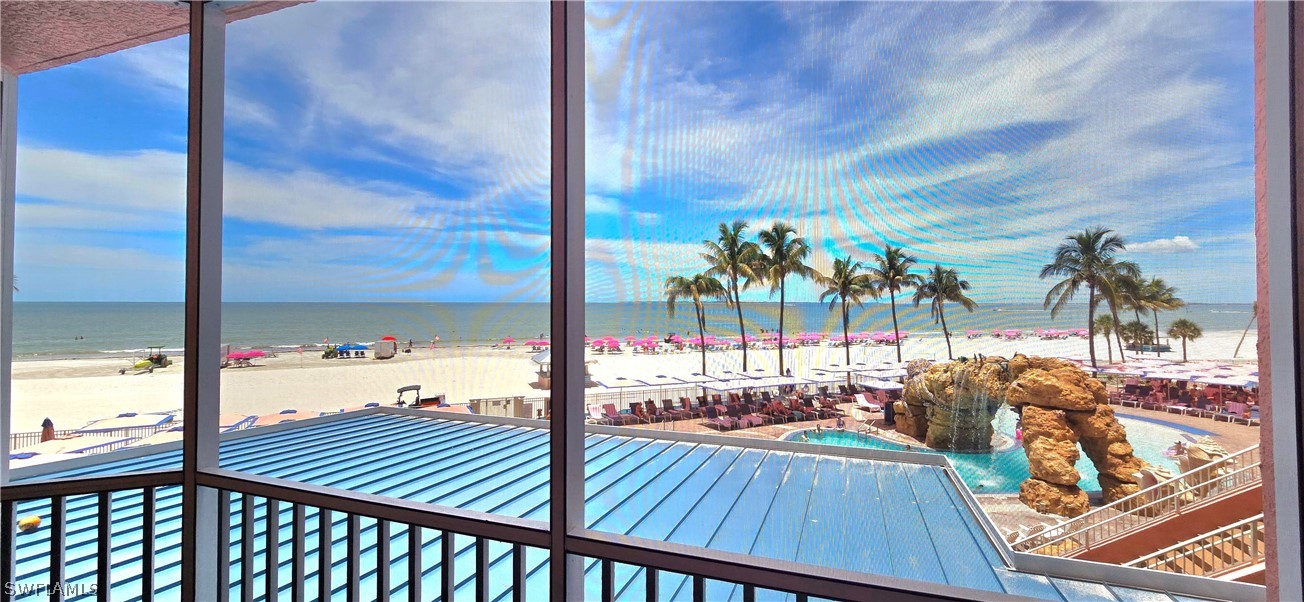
155, 359
417, 401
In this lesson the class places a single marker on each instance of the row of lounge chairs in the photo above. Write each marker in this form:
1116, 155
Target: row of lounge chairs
738, 411
1146, 398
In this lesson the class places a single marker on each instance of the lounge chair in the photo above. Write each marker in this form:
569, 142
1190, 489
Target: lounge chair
640, 415
817, 412
799, 412
657, 413
687, 405
744, 416
609, 410
596, 415
713, 418
669, 409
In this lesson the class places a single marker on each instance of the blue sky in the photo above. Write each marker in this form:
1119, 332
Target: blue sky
414, 166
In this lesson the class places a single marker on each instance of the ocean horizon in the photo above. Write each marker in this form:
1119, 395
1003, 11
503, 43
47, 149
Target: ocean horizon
65, 330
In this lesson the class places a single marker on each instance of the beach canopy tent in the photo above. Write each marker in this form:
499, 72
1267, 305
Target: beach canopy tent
126, 421
883, 385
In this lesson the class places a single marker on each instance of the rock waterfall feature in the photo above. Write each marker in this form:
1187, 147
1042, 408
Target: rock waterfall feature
951, 406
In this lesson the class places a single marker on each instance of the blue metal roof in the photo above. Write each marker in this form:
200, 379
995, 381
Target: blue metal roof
884, 517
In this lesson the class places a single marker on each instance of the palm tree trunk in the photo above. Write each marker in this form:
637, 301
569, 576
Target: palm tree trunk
846, 336
1118, 336
1155, 312
896, 331
701, 336
742, 332
946, 333
1253, 315
1183, 350
1091, 324
781, 300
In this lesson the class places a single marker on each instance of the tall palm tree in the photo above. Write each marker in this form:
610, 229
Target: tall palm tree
1131, 294
942, 285
733, 257
1104, 326
697, 288
783, 254
1156, 295
847, 285
892, 275
1186, 330
1254, 314
1136, 333
1088, 259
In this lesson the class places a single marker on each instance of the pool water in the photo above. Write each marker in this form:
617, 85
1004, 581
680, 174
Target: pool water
1002, 471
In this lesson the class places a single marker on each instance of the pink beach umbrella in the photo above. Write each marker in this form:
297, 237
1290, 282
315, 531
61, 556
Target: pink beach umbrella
676, 339
508, 341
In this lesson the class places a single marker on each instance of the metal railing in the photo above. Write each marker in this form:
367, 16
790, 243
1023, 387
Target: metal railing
20, 440
1158, 502
116, 538
1229, 548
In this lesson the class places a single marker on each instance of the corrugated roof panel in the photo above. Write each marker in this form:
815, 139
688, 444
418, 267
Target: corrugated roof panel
898, 519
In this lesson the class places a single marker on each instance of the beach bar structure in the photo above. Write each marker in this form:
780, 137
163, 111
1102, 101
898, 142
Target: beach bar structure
400, 503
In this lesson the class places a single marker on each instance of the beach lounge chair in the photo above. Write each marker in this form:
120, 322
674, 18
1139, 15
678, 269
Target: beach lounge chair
686, 404
744, 416
657, 413
609, 410
799, 412
596, 416
865, 405
713, 418
818, 412
668, 407
640, 415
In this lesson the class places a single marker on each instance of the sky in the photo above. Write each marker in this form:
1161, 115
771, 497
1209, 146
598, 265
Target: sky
400, 152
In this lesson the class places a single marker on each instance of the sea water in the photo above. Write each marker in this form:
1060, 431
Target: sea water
46, 330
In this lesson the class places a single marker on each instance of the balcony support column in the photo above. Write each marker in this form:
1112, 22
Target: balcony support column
201, 577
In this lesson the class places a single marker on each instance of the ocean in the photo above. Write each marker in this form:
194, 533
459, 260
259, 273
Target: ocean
78, 330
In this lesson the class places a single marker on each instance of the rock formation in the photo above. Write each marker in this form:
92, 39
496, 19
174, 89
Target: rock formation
1063, 407
950, 406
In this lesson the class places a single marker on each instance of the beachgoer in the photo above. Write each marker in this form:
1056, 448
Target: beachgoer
842, 424
804, 438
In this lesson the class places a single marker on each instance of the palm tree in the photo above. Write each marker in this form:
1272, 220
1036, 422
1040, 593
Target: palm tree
1254, 313
1088, 259
848, 286
893, 275
732, 256
1186, 330
697, 288
1131, 294
784, 255
1104, 326
1157, 295
942, 285
1135, 332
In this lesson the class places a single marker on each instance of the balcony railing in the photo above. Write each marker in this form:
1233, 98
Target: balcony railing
1148, 506
1227, 549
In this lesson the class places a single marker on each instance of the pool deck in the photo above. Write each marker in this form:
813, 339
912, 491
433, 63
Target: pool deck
1004, 510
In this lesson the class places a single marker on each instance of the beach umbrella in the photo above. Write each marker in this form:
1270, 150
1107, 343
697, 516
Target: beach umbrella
254, 353
543, 343
508, 340
885, 385
676, 339
388, 338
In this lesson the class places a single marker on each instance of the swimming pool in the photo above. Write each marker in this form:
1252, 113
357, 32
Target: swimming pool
1002, 471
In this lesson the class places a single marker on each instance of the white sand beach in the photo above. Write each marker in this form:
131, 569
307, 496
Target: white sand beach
74, 392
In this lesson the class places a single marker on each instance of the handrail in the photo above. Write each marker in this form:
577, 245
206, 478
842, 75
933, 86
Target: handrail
1248, 530
1142, 507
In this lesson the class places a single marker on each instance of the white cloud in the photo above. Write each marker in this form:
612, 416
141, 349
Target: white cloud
1176, 244
596, 204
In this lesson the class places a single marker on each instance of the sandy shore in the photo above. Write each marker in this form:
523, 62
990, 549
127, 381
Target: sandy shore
73, 392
